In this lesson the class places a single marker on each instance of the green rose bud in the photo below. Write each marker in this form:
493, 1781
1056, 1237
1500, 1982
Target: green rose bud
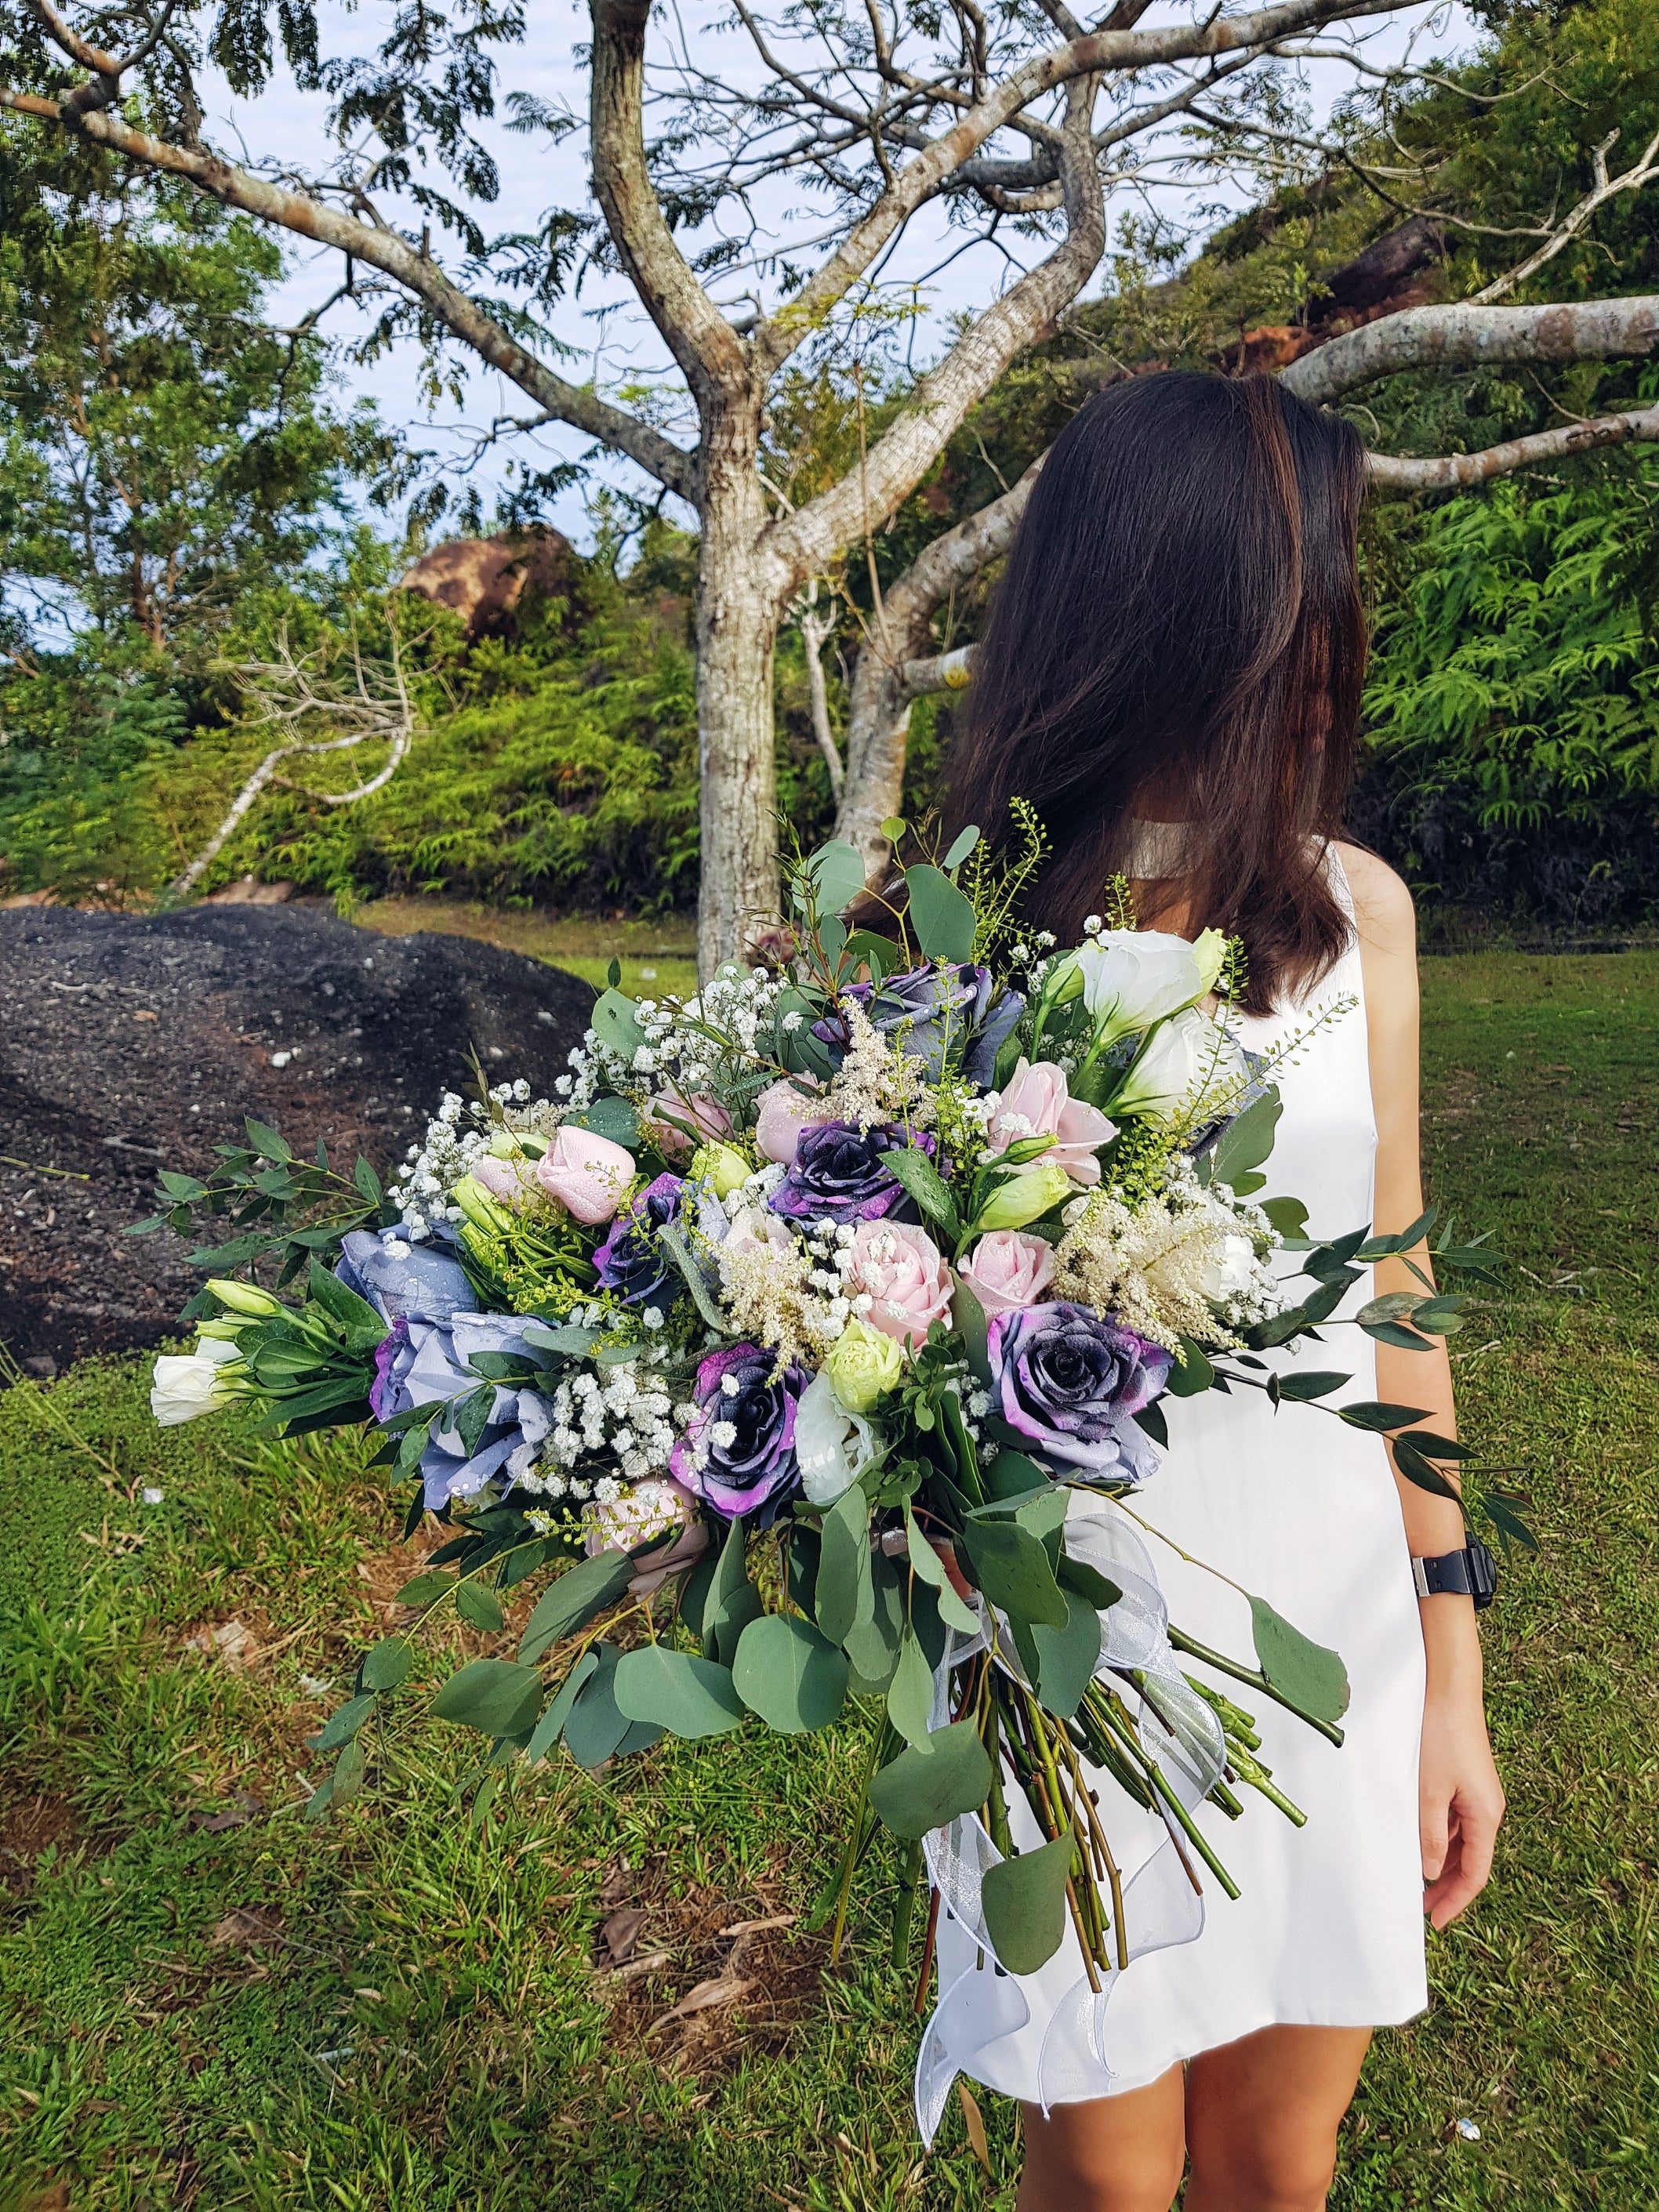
244, 1298
863, 1365
1024, 1198
722, 1167
482, 1211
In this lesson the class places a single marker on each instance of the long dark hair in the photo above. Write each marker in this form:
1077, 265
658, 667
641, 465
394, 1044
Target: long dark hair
1180, 631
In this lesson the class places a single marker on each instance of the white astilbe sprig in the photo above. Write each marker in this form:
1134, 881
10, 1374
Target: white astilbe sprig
1190, 1263
876, 1085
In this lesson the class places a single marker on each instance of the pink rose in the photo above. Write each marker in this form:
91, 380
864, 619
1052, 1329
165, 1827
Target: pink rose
512, 1182
702, 1115
904, 1272
657, 1506
1036, 1103
586, 1174
1008, 1270
780, 1113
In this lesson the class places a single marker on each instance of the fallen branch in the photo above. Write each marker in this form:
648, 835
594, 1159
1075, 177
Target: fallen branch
283, 693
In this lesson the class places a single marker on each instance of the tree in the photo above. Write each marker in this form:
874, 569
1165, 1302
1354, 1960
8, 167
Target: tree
162, 450
1018, 126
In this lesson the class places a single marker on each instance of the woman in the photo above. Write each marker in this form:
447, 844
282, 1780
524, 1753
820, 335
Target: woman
1171, 676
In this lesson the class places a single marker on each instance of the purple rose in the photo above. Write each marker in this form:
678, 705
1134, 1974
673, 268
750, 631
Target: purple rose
430, 1363
402, 1280
1071, 1383
739, 1455
839, 1175
631, 1261
933, 1014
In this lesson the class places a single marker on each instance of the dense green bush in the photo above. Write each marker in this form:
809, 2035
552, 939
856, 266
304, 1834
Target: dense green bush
1513, 707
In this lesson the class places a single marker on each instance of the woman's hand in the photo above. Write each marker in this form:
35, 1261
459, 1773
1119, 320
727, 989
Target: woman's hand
1460, 1797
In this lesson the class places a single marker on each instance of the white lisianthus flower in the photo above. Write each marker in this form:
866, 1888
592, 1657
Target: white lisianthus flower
1134, 977
831, 1444
188, 1385
1189, 1066
1210, 951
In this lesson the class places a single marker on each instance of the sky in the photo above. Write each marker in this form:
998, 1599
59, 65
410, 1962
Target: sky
613, 342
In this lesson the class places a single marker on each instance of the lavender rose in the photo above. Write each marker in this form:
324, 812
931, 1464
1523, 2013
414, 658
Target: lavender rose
631, 1261
838, 1175
1071, 1383
739, 1455
938, 1012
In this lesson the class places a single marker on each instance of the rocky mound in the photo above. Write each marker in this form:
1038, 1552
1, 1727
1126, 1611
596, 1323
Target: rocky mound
128, 1044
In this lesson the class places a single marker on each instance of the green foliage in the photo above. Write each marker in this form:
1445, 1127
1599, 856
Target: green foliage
1515, 696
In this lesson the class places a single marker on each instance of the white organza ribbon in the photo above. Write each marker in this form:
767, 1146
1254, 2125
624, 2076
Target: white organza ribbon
1160, 1905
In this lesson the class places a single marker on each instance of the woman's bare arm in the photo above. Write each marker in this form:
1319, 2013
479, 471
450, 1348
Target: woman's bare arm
1462, 1800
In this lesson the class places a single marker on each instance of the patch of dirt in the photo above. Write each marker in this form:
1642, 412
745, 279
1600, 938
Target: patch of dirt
27, 1828
700, 1981
131, 1043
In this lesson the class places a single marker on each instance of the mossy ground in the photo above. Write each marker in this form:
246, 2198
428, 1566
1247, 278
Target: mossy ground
205, 2000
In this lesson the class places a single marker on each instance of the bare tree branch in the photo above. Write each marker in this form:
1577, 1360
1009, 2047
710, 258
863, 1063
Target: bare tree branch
810, 538
884, 685
1448, 471
713, 358
287, 693
388, 251
1463, 335
1572, 225
1096, 52
816, 631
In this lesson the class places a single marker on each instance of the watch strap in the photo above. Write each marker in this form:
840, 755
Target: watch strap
1471, 1573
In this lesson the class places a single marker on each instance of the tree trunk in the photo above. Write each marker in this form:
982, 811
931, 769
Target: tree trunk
878, 734
737, 619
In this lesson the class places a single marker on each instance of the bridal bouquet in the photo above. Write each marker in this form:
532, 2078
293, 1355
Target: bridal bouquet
807, 1349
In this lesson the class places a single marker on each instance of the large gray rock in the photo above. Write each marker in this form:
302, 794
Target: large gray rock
128, 1044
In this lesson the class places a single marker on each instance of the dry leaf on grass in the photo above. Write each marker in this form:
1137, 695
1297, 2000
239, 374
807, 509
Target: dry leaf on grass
621, 1934
760, 1927
724, 1990
248, 1924
970, 2113
230, 1641
654, 1963
617, 1885
237, 1810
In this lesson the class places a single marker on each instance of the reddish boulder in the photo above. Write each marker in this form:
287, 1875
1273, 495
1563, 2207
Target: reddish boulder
486, 580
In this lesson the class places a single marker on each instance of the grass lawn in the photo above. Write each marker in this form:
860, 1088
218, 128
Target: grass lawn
204, 2001
655, 956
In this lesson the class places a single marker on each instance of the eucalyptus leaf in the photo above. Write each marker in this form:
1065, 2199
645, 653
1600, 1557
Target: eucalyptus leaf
733, 1601
1066, 1657
550, 1727
342, 1725
671, 1690
388, 1664
920, 1791
616, 1023
1248, 1138
838, 874
910, 1696
596, 1724
608, 1116
579, 1594
478, 1605
1308, 1676
790, 1674
845, 1594
941, 918
872, 1646
930, 1569
492, 1695
1013, 1568
1025, 1904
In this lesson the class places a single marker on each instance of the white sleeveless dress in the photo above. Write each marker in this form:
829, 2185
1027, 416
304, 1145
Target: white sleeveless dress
1293, 1505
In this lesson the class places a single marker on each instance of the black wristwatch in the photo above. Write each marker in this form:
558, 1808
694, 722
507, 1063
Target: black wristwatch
1472, 1572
